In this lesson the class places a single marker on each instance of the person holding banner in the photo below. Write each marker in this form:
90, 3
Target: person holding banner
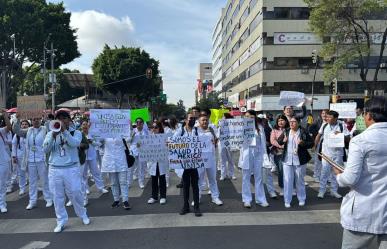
18, 149
35, 160
64, 170
296, 143
333, 149
139, 168
205, 130
289, 112
158, 172
251, 162
5, 161
226, 160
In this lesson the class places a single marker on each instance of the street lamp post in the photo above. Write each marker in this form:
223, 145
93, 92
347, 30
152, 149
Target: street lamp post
52, 75
315, 61
44, 67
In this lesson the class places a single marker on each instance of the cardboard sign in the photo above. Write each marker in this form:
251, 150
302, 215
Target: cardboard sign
29, 107
237, 132
345, 110
291, 98
217, 114
109, 123
189, 152
140, 113
153, 148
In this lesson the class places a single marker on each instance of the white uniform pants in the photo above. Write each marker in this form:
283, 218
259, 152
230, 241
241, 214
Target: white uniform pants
227, 163
4, 174
211, 175
66, 180
38, 171
21, 174
12, 176
297, 171
268, 180
256, 170
95, 172
138, 170
327, 173
317, 164
119, 182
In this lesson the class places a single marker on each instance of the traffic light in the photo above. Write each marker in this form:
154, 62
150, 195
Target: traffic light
334, 86
148, 73
314, 56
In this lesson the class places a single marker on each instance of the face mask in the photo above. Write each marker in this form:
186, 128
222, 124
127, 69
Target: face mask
191, 123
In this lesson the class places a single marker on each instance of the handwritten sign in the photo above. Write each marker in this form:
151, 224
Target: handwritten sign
236, 132
345, 110
189, 152
29, 107
153, 148
109, 123
291, 98
336, 140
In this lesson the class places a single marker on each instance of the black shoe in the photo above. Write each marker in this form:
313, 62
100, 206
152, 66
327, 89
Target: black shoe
180, 185
184, 211
126, 205
197, 212
115, 204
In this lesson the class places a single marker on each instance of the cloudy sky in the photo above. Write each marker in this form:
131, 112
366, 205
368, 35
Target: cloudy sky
176, 32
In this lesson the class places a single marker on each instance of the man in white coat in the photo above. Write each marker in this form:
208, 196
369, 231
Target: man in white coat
364, 208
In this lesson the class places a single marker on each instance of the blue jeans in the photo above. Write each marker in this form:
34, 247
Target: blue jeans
278, 163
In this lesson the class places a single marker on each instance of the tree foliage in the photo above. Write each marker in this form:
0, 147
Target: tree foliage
122, 66
211, 101
347, 23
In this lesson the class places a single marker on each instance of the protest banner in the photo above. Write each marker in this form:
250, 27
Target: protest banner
217, 114
336, 140
109, 123
153, 148
345, 110
189, 152
140, 113
29, 107
236, 132
291, 98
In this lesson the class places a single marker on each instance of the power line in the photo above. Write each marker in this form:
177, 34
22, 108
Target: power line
119, 81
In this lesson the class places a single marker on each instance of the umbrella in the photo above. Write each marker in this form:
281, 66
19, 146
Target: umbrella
12, 110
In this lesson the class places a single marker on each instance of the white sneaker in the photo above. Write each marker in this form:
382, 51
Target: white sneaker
22, 192
3, 209
86, 221
301, 203
209, 192
287, 205
49, 204
69, 204
163, 201
193, 203
263, 204
167, 184
281, 193
30, 206
85, 202
273, 195
40, 189
217, 201
58, 228
336, 195
141, 186
320, 195
87, 191
247, 204
104, 191
222, 178
306, 183
9, 190
151, 201
274, 169
233, 177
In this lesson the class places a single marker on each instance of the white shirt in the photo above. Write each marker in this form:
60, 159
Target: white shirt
330, 129
291, 157
4, 154
35, 140
18, 148
114, 158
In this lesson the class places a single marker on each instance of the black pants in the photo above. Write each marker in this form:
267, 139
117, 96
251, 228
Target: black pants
159, 182
191, 177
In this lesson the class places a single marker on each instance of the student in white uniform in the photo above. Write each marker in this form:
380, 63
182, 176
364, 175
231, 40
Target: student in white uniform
5, 161
35, 160
138, 168
18, 149
317, 148
297, 141
158, 172
333, 126
226, 160
251, 160
210, 171
64, 170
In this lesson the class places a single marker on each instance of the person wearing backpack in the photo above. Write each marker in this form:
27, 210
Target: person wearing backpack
333, 126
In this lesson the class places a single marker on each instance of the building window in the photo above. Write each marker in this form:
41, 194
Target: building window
255, 68
282, 13
244, 75
236, 11
244, 36
299, 13
253, 3
244, 16
255, 22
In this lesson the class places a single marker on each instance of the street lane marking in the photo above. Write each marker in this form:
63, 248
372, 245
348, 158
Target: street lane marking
36, 245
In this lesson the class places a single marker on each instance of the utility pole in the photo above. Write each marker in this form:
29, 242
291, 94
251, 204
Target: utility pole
315, 61
52, 76
44, 67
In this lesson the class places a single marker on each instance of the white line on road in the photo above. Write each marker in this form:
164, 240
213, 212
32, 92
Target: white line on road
169, 220
36, 245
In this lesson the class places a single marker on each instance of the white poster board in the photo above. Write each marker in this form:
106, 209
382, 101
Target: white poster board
109, 123
189, 152
153, 148
345, 110
236, 132
336, 140
291, 98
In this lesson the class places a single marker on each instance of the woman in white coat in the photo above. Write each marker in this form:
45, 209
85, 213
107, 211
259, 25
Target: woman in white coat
251, 163
18, 149
114, 163
5, 161
158, 172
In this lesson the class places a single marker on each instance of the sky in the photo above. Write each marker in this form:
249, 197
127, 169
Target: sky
178, 33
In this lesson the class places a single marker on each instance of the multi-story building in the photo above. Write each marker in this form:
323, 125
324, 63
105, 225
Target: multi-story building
204, 80
266, 47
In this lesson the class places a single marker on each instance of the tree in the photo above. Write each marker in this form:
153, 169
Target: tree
352, 35
121, 71
212, 101
31, 22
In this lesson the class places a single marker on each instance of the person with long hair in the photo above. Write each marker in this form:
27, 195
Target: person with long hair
296, 143
158, 172
251, 161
